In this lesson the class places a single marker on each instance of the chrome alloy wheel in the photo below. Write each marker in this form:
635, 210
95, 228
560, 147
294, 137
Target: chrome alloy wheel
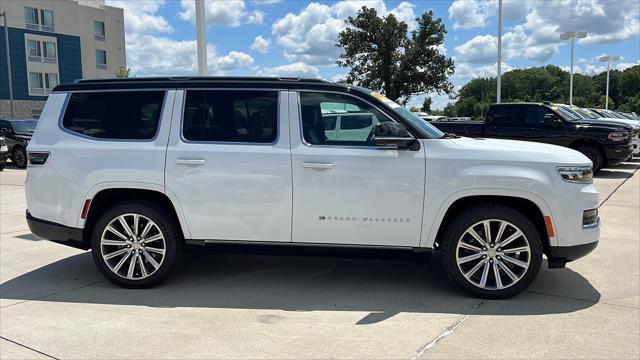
493, 254
132, 246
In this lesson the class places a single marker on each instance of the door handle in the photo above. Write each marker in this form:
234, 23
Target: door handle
316, 165
191, 161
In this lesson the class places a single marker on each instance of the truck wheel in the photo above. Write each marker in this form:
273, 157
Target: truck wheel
491, 251
136, 244
594, 155
19, 157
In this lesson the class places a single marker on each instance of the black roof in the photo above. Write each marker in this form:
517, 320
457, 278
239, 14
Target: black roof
178, 82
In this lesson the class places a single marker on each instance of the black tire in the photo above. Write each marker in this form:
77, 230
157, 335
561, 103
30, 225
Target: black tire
173, 242
594, 154
19, 157
2, 167
457, 227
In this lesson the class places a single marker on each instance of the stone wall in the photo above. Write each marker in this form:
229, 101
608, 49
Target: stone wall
21, 108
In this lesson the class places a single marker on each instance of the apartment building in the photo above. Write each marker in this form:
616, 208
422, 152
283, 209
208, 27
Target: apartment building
56, 41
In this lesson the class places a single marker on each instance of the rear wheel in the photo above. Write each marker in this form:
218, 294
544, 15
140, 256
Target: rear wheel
135, 244
492, 251
594, 155
19, 157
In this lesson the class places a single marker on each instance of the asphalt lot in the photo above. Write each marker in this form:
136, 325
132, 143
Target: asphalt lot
53, 302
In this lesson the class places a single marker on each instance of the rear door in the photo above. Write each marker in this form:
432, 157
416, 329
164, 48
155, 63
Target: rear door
229, 164
508, 122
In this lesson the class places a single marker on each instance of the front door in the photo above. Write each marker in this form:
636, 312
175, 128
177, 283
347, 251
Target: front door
349, 191
229, 164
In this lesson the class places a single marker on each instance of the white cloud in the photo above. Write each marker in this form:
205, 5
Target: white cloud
297, 69
480, 49
231, 13
141, 17
311, 35
260, 44
266, 2
465, 72
174, 57
538, 37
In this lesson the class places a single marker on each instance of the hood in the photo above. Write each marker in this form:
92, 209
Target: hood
633, 123
610, 123
518, 151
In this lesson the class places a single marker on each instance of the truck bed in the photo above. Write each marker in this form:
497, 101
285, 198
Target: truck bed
472, 128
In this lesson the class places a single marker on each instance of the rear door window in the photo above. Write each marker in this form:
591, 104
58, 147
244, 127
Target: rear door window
231, 116
508, 115
122, 115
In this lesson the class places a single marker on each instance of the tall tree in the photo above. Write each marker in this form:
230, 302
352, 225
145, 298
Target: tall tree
426, 105
383, 56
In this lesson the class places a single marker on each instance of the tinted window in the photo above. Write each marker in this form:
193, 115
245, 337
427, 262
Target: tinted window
130, 115
231, 116
508, 114
351, 122
356, 116
534, 115
329, 122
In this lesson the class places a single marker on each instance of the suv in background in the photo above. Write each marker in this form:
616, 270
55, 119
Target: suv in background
4, 150
603, 142
17, 134
137, 169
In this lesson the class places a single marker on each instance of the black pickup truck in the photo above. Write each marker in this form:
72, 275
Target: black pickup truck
602, 142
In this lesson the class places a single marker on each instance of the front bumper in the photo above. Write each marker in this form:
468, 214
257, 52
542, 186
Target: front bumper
618, 153
58, 233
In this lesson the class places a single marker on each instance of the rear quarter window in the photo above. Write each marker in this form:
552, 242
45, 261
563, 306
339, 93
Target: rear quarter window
122, 115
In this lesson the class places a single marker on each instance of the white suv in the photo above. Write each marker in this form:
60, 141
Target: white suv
136, 169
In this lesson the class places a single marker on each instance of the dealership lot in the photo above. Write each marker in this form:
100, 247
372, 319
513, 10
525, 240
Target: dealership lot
55, 304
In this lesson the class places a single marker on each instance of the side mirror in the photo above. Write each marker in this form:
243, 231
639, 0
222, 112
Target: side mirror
392, 135
552, 120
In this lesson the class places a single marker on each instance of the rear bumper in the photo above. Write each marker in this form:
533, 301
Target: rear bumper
57, 233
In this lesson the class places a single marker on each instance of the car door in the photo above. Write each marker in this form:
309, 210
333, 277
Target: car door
351, 191
229, 164
508, 122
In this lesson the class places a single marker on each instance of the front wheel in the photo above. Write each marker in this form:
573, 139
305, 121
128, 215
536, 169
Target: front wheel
491, 251
594, 155
19, 157
136, 244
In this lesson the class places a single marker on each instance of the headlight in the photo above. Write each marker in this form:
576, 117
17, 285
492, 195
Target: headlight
618, 136
576, 174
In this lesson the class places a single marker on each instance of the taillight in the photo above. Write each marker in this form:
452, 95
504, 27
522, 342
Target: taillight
38, 157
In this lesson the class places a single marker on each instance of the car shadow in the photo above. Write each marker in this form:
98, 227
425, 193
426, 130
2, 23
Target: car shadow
383, 288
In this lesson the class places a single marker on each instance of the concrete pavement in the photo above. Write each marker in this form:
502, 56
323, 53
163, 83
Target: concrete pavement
55, 304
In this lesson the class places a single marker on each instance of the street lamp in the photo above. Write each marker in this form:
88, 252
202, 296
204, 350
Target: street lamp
201, 38
499, 77
572, 35
608, 59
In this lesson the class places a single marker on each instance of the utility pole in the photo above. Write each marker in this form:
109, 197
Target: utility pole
608, 59
202, 38
572, 35
499, 77
6, 44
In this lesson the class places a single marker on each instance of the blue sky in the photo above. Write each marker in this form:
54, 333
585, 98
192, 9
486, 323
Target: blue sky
296, 38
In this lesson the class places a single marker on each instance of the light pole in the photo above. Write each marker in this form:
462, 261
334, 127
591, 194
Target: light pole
201, 38
6, 43
499, 77
608, 59
572, 35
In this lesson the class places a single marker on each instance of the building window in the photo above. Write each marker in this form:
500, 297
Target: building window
49, 51
36, 87
47, 20
101, 59
33, 50
50, 81
31, 18
98, 30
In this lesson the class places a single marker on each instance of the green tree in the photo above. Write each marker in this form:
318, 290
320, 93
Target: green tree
602, 102
414, 109
122, 72
449, 110
382, 55
426, 105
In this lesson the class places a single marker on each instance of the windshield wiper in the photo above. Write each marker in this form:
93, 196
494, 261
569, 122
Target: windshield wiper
449, 136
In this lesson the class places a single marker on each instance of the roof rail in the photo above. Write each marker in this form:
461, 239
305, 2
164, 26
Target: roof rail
199, 78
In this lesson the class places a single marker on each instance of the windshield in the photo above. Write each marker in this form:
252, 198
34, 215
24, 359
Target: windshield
428, 129
24, 125
566, 113
586, 114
